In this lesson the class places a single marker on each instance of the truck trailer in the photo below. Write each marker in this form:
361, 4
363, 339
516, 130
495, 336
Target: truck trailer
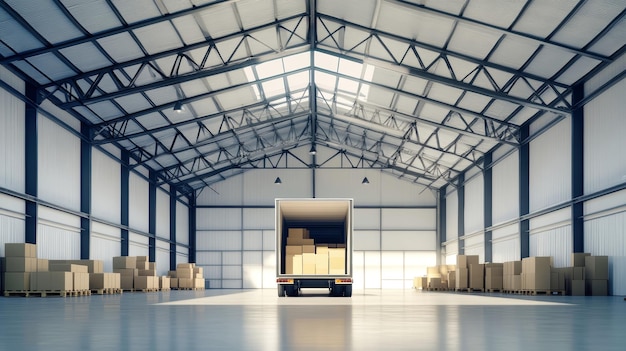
314, 245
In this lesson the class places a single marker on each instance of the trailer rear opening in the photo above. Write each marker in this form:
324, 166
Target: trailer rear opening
314, 245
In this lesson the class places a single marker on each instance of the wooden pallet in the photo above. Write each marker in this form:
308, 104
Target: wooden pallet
108, 291
141, 290
45, 293
435, 289
543, 292
191, 289
469, 290
494, 290
166, 289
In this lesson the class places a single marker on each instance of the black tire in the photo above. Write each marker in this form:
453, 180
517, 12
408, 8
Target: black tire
291, 290
281, 290
337, 291
347, 291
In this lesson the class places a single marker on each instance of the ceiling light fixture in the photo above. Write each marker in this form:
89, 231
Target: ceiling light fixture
178, 107
365, 181
313, 151
278, 181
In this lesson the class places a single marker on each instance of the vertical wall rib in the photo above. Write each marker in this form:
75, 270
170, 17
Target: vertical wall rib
578, 170
524, 191
85, 193
488, 208
152, 210
173, 228
31, 162
125, 175
461, 212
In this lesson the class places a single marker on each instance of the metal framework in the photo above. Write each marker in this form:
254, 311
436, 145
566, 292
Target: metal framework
422, 91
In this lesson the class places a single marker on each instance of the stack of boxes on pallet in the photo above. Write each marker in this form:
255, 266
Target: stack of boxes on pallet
187, 277
512, 276
536, 273
136, 272
20, 262
304, 257
494, 277
589, 275
467, 272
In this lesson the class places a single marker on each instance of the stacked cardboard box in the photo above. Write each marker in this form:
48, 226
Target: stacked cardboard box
126, 266
536, 273
420, 283
321, 259
596, 275
494, 276
433, 277
463, 263
511, 276
164, 283
477, 276
557, 279
20, 262
188, 276
78, 274
101, 281
336, 260
575, 276
146, 278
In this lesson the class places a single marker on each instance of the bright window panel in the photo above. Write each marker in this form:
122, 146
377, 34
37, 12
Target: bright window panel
326, 61
270, 69
274, 87
296, 62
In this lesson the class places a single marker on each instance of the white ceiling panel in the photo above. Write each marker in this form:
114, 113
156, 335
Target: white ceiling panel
497, 13
94, 15
236, 98
51, 66
133, 103
188, 30
86, 57
136, 10
423, 27
473, 41
513, 52
254, 13
121, 47
287, 8
614, 39
548, 62
47, 19
219, 20
543, 16
355, 11
158, 37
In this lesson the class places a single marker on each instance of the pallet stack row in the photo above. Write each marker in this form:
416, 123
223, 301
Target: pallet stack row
187, 276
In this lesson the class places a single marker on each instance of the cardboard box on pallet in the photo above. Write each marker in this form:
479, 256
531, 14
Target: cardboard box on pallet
174, 283
578, 273
297, 264
127, 282
198, 270
43, 265
147, 273
56, 281
67, 267
537, 271
578, 259
124, 262
517, 282
596, 267
142, 258
164, 283
578, 287
298, 233
185, 266
296, 241
198, 283
451, 279
433, 271
184, 273
81, 281
596, 287
462, 278
143, 265
293, 249
20, 250
185, 283
464, 261
557, 280
146, 282
21, 264
434, 283
477, 276
308, 249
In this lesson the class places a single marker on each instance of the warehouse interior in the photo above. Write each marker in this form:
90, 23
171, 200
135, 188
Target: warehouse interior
167, 129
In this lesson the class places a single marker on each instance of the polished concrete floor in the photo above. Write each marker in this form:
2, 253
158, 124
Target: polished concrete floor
259, 320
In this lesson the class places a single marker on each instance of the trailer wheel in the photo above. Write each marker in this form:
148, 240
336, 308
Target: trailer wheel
291, 290
347, 291
281, 290
337, 291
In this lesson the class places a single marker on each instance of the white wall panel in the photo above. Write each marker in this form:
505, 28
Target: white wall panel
12, 204
554, 242
232, 258
604, 139
105, 187
58, 165
232, 284
269, 240
358, 270
231, 272
12, 229
372, 270
398, 192
209, 257
138, 245
415, 264
182, 257
218, 240
12, 154
57, 242
104, 244
341, 183
606, 202
505, 250
227, 192
218, 218
366, 218
475, 245
604, 235
474, 205
364, 240
258, 218
452, 218
162, 257
182, 223
550, 167
409, 218
253, 269
505, 189
252, 240
138, 199
258, 186
162, 214
409, 240
452, 247
269, 269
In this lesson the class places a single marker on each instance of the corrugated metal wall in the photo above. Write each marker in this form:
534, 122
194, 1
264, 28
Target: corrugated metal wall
138, 203
474, 212
105, 187
58, 234
138, 245
163, 215
505, 244
551, 235
550, 167
162, 257
12, 225
58, 165
452, 218
475, 245
604, 140
105, 243
605, 225
505, 189
182, 223
12, 139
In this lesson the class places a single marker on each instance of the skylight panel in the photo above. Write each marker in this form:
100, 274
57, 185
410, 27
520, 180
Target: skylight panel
298, 61
273, 87
325, 81
298, 81
348, 85
350, 68
270, 69
326, 61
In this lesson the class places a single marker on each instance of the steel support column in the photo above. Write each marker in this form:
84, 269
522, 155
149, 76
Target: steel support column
172, 229
31, 164
578, 186
461, 212
85, 192
488, 205
524, 192
441, 220
152, 204
192, 228
125, 179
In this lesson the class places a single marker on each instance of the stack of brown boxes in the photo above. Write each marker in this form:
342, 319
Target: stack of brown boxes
299, 244
95, 278
420, 283
433, 278
321, 259
146, 278
20, 262
462, 270
511, 276
494, 276
57, 278
336, 260
536, 273
597, 275
187, 276
477, 276
575, 275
